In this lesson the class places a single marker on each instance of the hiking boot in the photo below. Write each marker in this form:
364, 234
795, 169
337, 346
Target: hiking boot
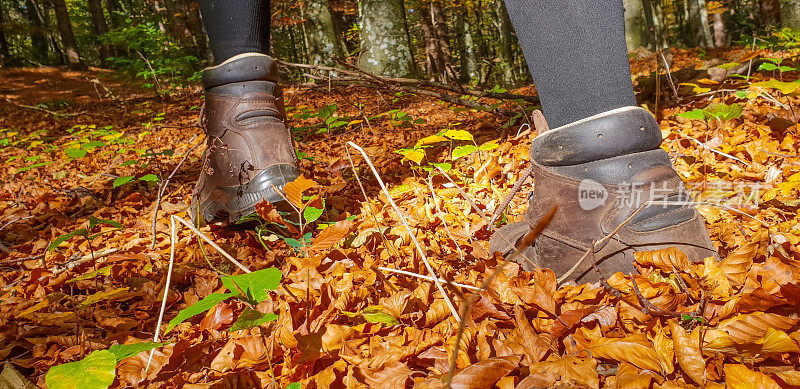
600, 171
249, 151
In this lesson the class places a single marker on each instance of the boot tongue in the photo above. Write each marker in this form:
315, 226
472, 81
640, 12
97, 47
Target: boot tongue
614, 133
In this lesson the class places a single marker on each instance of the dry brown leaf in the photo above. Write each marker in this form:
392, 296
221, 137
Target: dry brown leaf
738, 263
634, 349
666, 351
631, 377
294, 190
664, 259
391, 376
776, 341
740, 377
791, 377
571, 370
484, 374
332, 235
752, 327
687, 353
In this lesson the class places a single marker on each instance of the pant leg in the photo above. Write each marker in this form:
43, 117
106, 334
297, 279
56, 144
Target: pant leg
575, 50
236, 26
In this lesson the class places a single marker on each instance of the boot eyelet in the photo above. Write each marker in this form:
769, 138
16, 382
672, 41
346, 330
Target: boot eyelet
599, 136
641, 128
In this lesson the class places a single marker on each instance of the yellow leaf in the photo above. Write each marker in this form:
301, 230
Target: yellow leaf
458, 134
791, 377
429, 140
750, 328
739, 376
688, 354
665, 350
631, 377
634, 349
412, 155
776, 341
708, 81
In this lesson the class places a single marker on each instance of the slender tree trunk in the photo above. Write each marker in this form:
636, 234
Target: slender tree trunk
99, 27
720, 37
469, 62
194, 23
5, 53
705, 28
635, 25
114, 10
437, 43
769, 12
790, 14
505, 30
384, 39
321, 33
67, 36
38, 37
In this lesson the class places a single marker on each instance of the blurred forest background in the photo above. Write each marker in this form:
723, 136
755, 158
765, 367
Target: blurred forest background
467, 41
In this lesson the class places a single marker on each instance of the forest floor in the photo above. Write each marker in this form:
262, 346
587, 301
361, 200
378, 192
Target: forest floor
85, 153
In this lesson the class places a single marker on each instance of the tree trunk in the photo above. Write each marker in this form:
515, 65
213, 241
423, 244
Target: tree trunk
437, 43
114, 13
5, 53
720, 38
466, 49
321, 33
67, 36
384, 39
506, 30
38, 37
635, 25
769, 12
790, 14
705, 29
99, 27
194, 23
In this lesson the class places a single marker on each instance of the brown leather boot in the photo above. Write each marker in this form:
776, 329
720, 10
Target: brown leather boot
600, 171
249, 150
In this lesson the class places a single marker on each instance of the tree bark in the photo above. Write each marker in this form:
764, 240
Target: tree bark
38, 37
506, 30
322, 34
194, 23
635, 25
67, 36
466, 49
705, 28
437, 43
384, 39
100, 27
5, 53
720, 37
114, 10
790, 14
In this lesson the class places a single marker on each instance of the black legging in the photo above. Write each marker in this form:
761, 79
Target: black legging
575, 49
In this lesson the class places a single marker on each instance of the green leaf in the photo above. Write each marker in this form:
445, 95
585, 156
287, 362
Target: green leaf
785, 87
786, 69
461, 151
443, 165
197, 308
96, 371
294, 385
122, 351
252, 318
311, 214
697, 114
723, 111
94, 221
338, 124
149, 178
741, 94
458, 135
75, 153
768, 66
122, 181
374, 314
63, 238
729, 65
255, 285
92, 145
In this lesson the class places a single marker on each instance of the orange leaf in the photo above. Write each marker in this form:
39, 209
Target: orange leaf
745, 329
294, 190
573, 370
393, 375
739, 376
634, 349
484, 374
664, 259
332, 235
738, 263
688, 354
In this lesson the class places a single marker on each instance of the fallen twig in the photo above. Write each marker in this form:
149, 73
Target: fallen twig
79, 260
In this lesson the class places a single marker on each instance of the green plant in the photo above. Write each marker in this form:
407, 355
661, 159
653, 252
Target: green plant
458, 149
86, 233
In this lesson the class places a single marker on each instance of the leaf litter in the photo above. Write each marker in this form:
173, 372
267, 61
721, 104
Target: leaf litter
339, 316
